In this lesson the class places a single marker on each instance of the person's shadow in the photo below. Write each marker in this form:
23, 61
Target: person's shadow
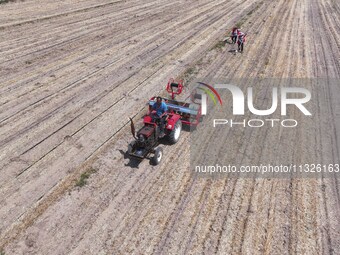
233, 51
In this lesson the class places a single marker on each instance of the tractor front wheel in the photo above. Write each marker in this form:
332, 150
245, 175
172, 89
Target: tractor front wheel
157, 157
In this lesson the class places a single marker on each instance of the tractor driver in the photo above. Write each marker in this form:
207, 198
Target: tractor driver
161, 113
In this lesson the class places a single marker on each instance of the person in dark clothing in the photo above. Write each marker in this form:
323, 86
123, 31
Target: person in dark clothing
241, 39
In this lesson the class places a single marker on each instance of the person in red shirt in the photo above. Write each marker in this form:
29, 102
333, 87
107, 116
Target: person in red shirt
234, 34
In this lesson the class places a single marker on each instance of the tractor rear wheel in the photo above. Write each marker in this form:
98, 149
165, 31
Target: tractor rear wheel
175, 133
157, 157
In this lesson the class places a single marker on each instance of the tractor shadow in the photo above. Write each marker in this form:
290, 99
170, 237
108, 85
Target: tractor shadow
188, 129
133, 162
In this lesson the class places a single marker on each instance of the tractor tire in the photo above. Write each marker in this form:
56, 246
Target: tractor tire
175, 133
156, 159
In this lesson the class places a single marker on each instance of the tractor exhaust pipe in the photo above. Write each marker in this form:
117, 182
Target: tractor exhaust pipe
133, 130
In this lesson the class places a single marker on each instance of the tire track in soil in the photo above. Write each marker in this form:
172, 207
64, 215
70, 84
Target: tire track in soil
324, 55
30, 21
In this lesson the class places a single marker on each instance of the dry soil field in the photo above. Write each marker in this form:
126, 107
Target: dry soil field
72, 72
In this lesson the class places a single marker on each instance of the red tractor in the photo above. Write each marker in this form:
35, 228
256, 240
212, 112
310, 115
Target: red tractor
147, 139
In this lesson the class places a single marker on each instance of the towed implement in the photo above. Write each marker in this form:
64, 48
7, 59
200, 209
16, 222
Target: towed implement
190, 112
